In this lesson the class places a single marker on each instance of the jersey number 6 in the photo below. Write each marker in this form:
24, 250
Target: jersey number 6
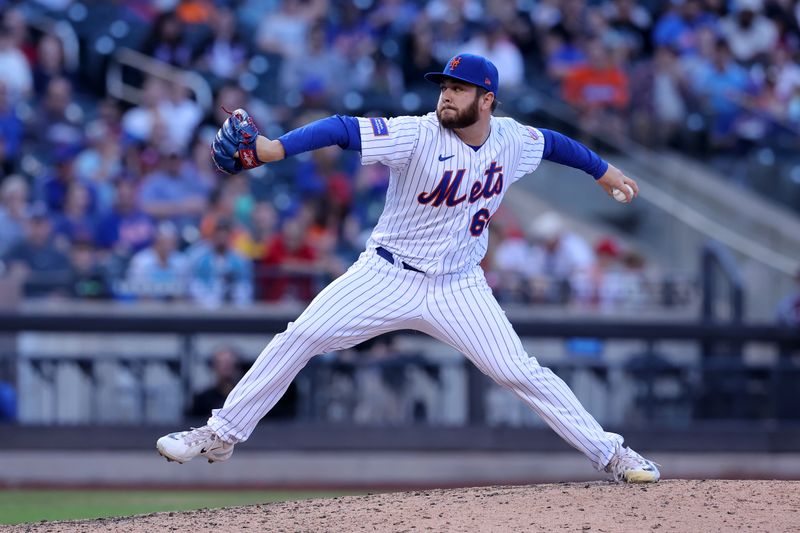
479, 222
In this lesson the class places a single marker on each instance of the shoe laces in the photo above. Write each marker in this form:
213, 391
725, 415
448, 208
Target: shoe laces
626, 459
199, 435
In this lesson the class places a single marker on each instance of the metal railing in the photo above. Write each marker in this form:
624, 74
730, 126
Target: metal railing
718, 267
127, 58
710, 385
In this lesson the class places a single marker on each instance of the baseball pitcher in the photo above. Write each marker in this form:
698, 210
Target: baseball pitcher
449, 172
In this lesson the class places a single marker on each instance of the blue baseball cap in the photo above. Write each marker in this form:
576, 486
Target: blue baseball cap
473, 69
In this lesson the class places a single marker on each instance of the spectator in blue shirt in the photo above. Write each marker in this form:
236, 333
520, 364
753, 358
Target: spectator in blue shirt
76, 219
36, 261
172, 193
677, 28
722, 83
61, 117
160, 270
11, 131
126, 229
100, 163
219, 274
52, 188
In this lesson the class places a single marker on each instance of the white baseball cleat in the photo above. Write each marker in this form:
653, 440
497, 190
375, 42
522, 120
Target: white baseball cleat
630, 467
184, 446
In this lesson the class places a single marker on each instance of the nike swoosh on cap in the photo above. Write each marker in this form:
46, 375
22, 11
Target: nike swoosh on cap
442, 158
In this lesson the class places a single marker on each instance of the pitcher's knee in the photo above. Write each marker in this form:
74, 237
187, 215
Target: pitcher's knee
517, 373
306, 339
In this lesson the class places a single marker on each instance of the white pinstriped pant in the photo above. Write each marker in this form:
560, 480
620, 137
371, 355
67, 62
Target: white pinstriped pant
374, 297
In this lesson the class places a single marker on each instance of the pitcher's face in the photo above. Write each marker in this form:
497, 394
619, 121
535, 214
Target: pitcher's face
458, 105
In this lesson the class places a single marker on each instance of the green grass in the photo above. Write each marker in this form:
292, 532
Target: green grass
18, 506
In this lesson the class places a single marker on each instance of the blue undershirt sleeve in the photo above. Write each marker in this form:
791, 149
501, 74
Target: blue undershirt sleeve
337, 129
561, 149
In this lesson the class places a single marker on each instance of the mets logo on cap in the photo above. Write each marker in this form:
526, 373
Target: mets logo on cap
469, 68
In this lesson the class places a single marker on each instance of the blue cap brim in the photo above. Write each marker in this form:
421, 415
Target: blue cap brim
438, 77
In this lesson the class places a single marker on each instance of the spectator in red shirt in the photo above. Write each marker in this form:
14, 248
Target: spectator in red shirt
288, 269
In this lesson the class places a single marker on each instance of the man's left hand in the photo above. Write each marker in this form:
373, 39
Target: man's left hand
234, 147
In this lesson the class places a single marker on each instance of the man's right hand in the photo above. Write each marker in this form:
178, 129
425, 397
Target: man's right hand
615, 179
234, 147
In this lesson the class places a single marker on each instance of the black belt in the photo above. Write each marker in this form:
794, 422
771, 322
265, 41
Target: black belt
386, 254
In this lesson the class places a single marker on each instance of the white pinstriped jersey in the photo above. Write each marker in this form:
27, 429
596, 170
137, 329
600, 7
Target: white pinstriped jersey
442, 192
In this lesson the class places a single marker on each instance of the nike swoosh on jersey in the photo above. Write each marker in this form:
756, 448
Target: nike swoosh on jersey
442, 158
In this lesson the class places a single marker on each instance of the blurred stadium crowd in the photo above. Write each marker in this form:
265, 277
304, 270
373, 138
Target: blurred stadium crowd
104, 197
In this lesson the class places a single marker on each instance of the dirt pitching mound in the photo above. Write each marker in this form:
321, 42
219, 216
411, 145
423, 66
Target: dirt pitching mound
674, 505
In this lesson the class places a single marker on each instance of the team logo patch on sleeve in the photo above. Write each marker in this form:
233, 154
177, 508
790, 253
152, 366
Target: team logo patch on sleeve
379, 127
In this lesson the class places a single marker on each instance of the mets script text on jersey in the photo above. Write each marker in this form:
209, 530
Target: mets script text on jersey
446, 190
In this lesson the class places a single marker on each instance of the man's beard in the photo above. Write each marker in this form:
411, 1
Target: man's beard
463, 119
